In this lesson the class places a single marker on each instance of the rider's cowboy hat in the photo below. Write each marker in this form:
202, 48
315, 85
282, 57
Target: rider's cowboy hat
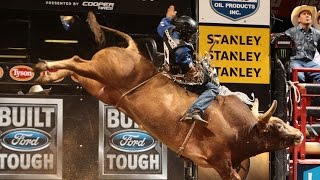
297, 10
315, 21
37, 89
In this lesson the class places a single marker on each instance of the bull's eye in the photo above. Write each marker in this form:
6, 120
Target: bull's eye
279, 126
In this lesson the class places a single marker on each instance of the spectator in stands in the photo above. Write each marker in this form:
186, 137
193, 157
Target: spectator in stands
306, 38
316, 24
178, 34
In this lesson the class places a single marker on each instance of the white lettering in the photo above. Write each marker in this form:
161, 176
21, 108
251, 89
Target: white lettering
5, 119
171, 42
20, 139
117, 118
134, 161
100, 5
26, 116
26, 161
240, 6
18, 73
127, 140
218, 5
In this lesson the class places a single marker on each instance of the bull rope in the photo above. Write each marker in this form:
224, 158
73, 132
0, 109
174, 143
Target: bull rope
181, 148
134, 88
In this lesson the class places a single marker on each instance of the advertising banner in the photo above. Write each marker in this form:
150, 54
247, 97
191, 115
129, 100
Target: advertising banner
145, 7
241, 12
31, 138
23, 73
240, 55
127, 152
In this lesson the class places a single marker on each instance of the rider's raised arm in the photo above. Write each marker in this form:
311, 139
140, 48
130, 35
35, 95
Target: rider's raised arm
165, 23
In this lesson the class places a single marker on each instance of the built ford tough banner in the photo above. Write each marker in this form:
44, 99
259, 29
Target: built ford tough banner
30, 138
127, 152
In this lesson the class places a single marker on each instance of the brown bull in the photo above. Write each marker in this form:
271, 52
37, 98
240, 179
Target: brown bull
124, 78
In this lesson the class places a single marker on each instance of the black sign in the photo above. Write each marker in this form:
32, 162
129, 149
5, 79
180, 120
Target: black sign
150, 7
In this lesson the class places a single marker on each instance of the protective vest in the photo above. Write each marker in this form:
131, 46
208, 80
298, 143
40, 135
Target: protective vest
170, 44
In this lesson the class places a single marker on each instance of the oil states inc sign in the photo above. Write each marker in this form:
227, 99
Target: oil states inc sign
239, 12
235, 9
30, 138
127, 152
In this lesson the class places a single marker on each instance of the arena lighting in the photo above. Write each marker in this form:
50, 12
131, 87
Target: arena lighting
66, 21
12, 56
12, 48
61, 41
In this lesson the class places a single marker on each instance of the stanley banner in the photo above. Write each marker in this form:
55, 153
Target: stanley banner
240, 55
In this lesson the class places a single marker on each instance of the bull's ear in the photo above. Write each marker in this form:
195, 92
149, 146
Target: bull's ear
255, 108
266, 116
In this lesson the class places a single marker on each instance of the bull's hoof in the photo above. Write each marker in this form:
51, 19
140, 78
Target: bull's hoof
39, 80
42, 65
42, 79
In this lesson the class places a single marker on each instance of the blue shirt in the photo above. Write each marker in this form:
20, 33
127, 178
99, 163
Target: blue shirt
183, 55
305, 42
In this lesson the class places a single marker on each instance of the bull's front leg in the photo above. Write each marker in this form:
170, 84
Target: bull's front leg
47, 76
231, 174
228, 174
70, 64
223, 166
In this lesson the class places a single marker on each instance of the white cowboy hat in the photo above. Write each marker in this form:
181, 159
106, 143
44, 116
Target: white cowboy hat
315, 21
37, 89
297, 10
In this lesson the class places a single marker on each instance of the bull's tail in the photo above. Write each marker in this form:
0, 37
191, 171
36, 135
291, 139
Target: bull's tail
100, 39
95, 27
131, 44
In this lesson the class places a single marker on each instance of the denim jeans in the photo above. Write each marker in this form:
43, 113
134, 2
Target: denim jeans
205, 99
307, 64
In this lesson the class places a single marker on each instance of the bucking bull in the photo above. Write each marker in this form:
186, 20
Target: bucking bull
124, 78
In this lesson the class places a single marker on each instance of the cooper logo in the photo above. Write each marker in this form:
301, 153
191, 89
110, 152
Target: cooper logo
100, 5
1, 72
25, 140
131, 140
21, 73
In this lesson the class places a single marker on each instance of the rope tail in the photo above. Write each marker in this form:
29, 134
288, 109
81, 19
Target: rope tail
131, 44
99, 35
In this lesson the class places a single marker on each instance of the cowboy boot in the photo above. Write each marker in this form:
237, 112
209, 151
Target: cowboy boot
195, 115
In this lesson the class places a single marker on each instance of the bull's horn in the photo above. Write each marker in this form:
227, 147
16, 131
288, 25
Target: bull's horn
255, 108
266, 116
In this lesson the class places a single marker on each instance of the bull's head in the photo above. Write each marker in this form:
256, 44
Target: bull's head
274, 133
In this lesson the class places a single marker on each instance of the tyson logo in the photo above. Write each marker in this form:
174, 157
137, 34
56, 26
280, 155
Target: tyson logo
21, 73
132, 140
25, 139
